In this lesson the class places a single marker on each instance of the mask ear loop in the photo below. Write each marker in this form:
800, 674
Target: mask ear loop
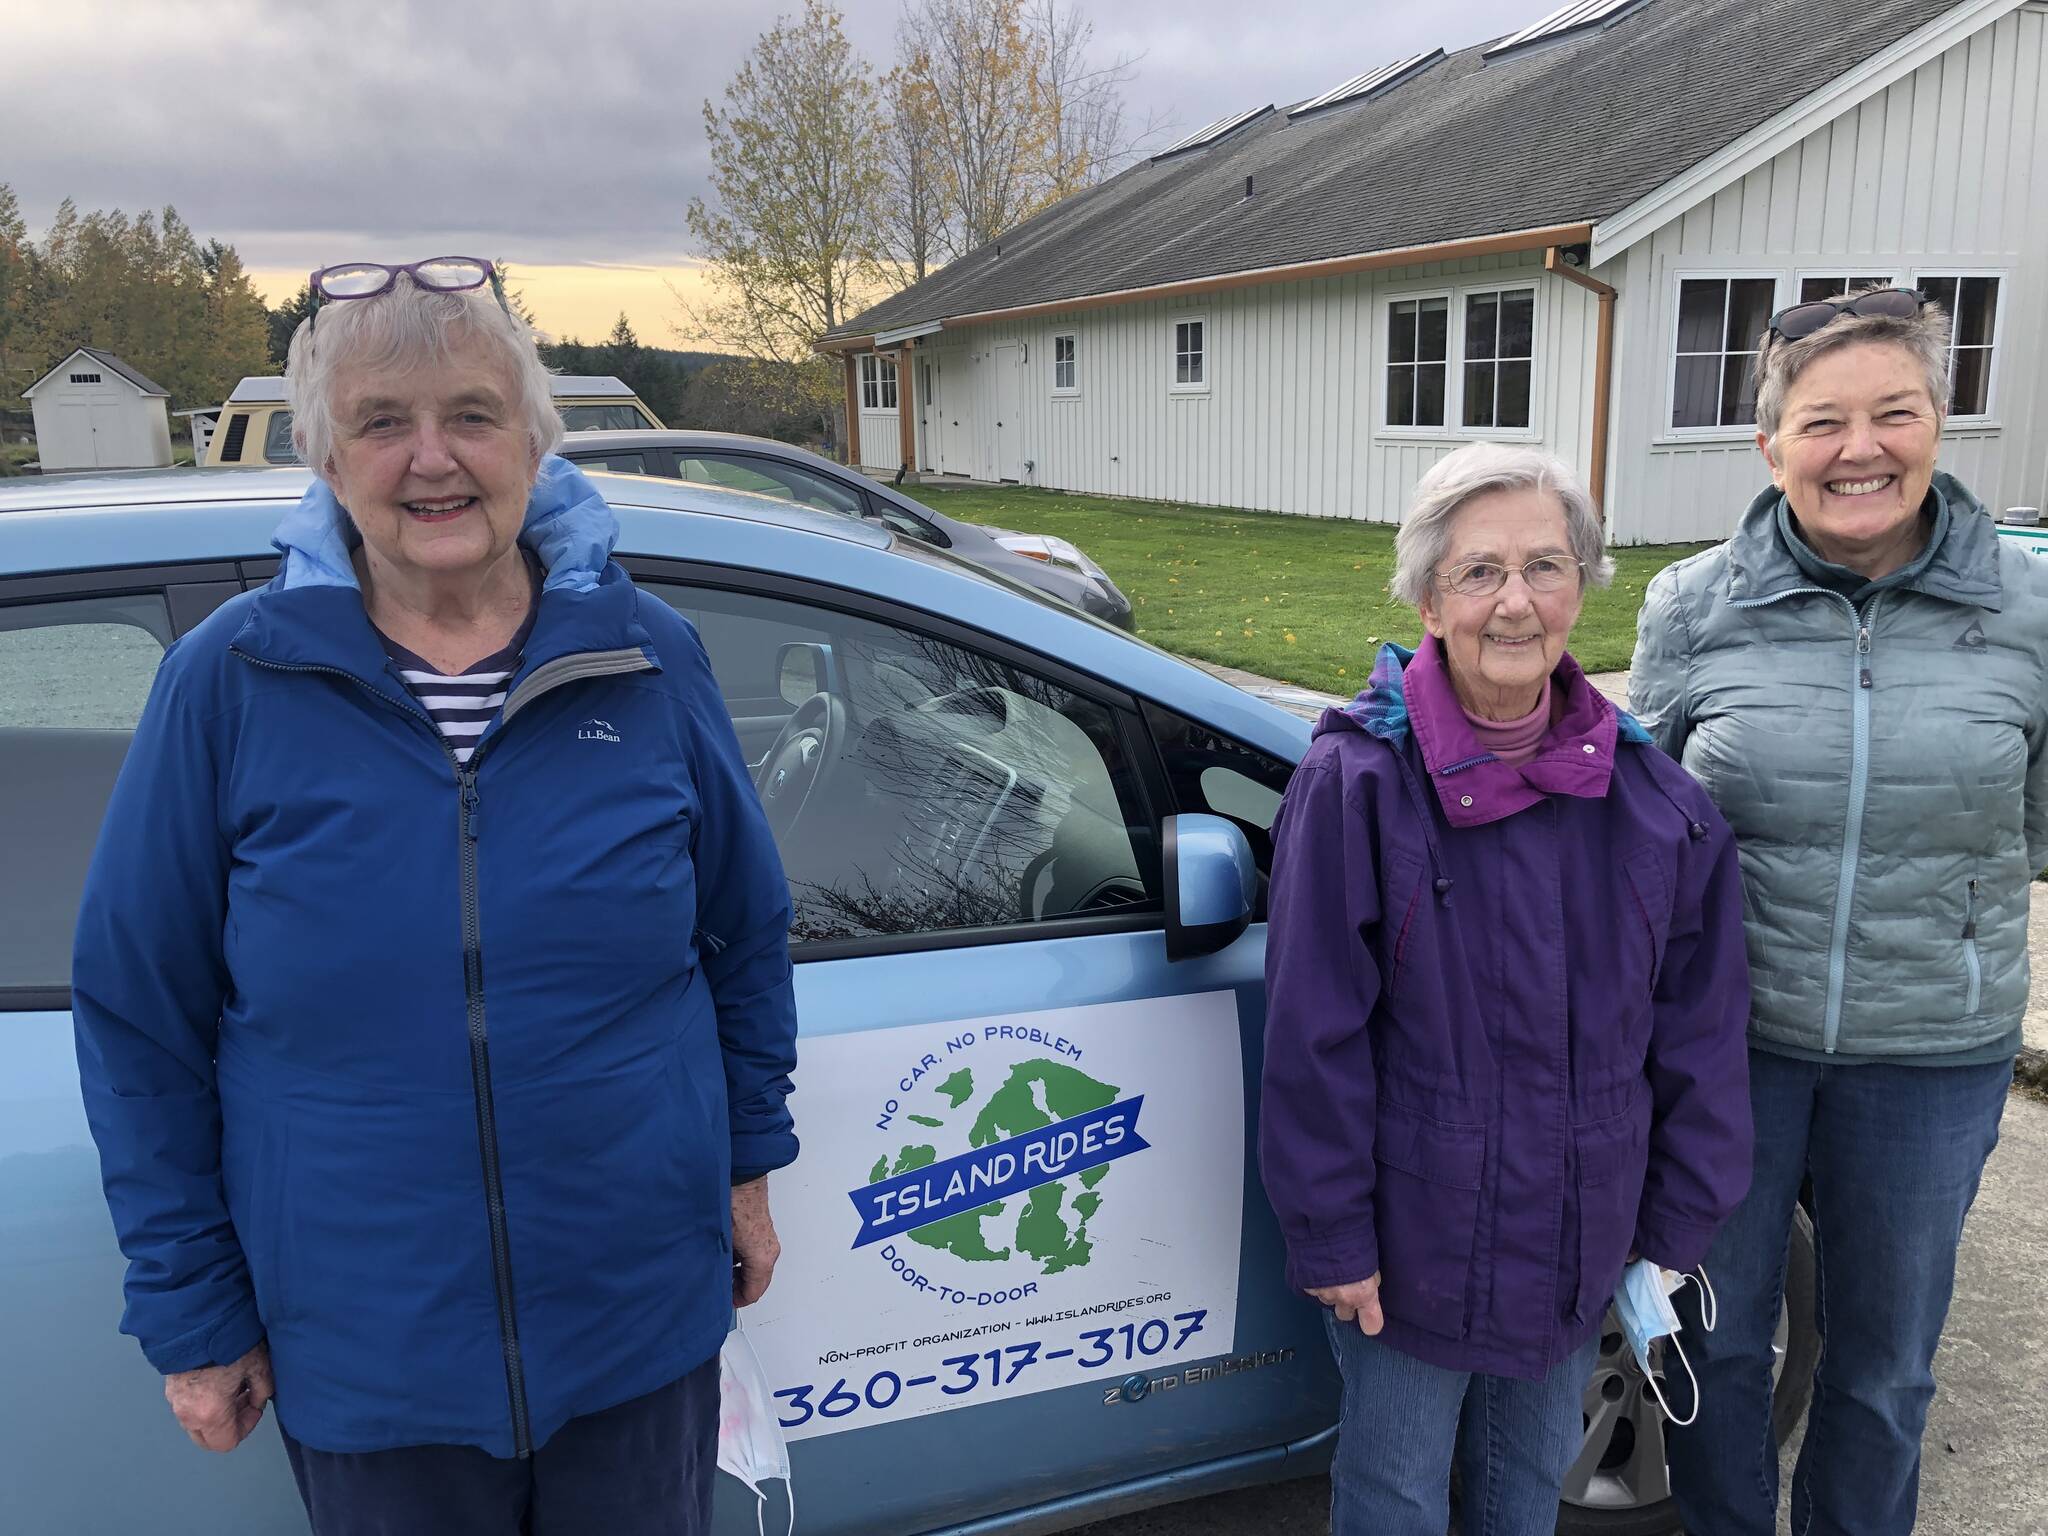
1671, 1341
1710, 1307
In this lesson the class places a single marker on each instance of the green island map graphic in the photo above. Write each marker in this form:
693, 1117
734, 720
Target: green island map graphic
1035, 1094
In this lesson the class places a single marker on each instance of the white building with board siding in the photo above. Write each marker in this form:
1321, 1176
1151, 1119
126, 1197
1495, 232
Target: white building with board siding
1570, 237
93, 411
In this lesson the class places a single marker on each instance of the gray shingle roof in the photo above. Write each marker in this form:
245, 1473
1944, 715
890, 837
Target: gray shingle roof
1568, 131
126, 372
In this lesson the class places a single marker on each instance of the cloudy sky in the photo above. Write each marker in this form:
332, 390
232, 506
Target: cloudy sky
563, 136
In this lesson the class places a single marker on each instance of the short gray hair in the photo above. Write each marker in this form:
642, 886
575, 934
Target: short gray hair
1476, 470
1779, 363
402, 329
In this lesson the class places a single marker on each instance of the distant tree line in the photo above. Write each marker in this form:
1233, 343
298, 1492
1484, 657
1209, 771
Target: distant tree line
179, 310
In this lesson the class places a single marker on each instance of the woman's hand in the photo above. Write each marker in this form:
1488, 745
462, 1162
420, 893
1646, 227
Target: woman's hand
220, 1406
754, 1245
1360, 1301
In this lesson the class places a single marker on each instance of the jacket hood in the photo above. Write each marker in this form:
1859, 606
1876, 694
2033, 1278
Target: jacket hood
1963, 567
568, 527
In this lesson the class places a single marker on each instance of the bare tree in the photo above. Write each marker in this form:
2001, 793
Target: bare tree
914, 199
1015, 112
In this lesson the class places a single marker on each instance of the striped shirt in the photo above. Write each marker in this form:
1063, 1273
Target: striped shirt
463, 704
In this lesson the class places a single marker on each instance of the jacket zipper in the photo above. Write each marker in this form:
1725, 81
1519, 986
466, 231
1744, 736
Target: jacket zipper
1860, 689
543, 679
1970, 957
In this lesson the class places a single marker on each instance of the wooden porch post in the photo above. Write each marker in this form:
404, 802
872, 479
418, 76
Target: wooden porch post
851, 446
906, 407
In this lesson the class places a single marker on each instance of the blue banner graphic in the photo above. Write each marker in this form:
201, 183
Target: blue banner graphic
921, 1196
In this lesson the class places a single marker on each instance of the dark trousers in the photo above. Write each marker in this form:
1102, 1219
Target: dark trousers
1894, 1154
643, 1468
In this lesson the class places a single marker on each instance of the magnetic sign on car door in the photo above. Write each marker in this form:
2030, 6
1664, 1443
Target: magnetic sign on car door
1039, 1199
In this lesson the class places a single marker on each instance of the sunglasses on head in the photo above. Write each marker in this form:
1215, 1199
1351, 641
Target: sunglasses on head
368, 279
1804, 319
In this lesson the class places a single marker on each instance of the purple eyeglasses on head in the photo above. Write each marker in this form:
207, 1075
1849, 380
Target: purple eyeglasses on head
367, 279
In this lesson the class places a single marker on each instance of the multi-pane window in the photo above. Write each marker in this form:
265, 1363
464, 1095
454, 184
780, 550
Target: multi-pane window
1719, 321
1190, 354
877, 382
1418, 361
1065, 380
1500, 350
1972, 305
1831, 287
85, 378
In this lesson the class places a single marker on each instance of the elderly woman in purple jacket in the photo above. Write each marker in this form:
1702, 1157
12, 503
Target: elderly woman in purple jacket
1505, 1031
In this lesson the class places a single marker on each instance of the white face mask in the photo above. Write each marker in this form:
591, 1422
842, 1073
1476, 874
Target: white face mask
1643, 1306
750, 1444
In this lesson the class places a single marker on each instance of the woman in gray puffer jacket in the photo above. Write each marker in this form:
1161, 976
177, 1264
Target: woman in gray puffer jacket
1859, 678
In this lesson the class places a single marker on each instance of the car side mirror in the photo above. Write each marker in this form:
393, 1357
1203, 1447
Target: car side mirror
1212, 884
802, 668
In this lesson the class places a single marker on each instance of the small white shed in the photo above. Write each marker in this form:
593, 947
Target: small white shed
93, 411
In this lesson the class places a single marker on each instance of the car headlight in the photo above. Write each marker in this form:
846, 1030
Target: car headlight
1052, 551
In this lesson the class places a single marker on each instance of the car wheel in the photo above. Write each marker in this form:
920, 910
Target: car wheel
1620, 1485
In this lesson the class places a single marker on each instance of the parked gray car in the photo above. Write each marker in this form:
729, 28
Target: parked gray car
761, 464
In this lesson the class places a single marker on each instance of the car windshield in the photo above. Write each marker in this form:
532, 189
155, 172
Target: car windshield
602, 418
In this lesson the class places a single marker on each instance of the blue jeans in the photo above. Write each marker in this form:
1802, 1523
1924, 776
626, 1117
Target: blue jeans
1894, 1154
643, 1468
1403, 1420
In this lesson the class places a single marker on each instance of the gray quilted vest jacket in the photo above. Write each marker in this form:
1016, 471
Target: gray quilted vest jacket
1886, 776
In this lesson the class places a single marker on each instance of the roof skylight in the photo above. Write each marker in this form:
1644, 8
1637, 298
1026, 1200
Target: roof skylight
1566, 18
1369, 83
1214, 131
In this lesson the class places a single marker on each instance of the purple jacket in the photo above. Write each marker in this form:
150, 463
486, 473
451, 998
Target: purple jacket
1505, 1019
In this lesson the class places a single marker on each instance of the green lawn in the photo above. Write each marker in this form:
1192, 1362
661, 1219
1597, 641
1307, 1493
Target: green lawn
1301, 599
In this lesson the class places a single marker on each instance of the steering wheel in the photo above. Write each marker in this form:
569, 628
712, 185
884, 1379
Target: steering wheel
804, 754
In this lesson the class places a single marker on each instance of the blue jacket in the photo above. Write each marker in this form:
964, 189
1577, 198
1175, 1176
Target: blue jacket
435, 1078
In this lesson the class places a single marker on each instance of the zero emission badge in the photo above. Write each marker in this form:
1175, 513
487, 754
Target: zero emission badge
998, 1206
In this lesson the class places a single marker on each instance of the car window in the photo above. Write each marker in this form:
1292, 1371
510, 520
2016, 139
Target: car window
74, 673
602, 418
620, 463
277, 440
769, 478
1211, 772
961, 791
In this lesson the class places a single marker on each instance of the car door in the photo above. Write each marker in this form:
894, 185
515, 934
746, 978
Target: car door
79, 1406
1026, 1213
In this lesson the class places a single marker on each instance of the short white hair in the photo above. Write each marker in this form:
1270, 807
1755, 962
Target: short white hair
403, 329
1476, 470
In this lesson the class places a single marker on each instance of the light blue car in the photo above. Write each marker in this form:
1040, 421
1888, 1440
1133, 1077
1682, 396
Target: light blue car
1029, 1277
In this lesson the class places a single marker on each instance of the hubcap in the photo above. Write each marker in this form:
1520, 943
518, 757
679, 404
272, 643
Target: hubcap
1621, 1463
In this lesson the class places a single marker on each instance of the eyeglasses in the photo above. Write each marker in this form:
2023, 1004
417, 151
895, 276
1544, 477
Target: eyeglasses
1483, 578
1804, 319
368, 279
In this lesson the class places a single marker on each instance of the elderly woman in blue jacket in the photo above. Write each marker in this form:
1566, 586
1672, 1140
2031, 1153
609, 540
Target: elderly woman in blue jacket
1859, 679
432, 981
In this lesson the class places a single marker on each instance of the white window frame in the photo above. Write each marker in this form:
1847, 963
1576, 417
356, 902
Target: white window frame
1454, 430
1455, 393
878, 384
1802, 275
1987, 420
1207, 354
1744, 433
1073, 340
1387, 299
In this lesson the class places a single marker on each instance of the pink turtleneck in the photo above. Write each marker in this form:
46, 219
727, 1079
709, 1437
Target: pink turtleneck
1514, 742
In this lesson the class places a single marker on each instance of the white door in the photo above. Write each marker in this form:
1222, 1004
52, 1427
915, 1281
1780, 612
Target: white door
1009, 425
110, 446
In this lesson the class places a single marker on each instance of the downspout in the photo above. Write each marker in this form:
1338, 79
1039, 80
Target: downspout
852, 443
1603, 366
